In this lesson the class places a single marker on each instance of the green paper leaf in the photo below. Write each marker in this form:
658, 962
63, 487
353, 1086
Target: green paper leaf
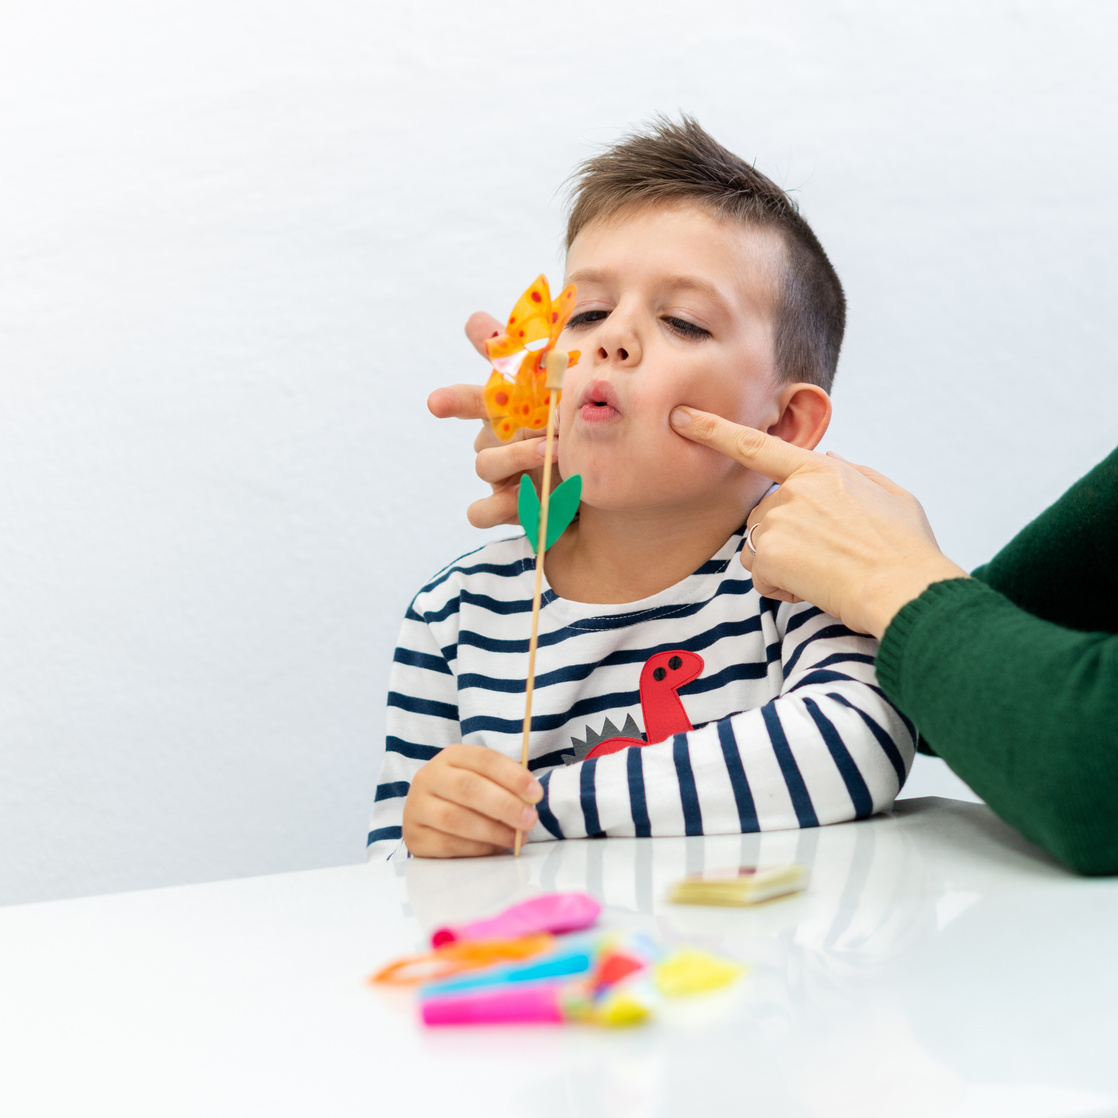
561, 509
528, 509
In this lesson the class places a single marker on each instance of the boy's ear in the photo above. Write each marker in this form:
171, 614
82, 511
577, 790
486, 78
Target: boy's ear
805, 414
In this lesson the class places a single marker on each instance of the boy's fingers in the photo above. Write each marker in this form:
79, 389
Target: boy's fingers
475, 825
770, 456
498, 768
429, 842
465, 803
457, 401
480, 327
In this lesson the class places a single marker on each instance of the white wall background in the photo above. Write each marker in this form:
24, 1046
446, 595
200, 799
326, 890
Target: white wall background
238, 241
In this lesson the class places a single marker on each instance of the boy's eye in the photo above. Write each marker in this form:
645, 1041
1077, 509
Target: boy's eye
586, 318
684, 328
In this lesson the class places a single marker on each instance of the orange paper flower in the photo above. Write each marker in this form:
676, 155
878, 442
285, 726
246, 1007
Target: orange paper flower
516, 394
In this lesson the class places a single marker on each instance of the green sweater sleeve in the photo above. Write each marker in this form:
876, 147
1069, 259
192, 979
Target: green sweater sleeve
1063, 566
1016, 687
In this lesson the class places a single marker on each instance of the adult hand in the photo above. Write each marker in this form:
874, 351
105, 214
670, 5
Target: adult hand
840, 536
500, 464
466, 801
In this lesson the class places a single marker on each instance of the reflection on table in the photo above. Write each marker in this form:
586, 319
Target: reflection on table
936, 965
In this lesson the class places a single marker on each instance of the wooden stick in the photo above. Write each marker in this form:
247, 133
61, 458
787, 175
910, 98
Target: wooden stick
556, 364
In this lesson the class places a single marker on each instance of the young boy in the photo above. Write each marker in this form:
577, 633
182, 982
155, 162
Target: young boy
698, 284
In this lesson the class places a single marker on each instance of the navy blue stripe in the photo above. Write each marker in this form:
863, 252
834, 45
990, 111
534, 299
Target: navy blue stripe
831, 632
713, 567
676, 612
817, 675
574, 673
888, 746
385, 833
799, 619
547, 818
411, 749
501, 607
801, 801
439, 575
588, 625
416, 705
743, 797
637, 800
771, 606
794, 659
446, 610
855, 783
588, 800
391, 791
500, 570
518, 566
421, 660
491, 683
846, 658
548, 760
697, 643
494, 644
614, 700
688, 793
727, 675
909, 725
542, 723
837, 657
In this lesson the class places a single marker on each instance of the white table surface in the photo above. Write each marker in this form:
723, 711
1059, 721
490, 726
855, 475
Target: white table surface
937, 965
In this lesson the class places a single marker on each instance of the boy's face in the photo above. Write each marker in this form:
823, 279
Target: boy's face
674, 307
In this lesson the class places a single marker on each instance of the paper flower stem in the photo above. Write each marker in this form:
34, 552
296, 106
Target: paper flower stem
556, 366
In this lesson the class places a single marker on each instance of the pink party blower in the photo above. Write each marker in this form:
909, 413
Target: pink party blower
541, 1004
551, 912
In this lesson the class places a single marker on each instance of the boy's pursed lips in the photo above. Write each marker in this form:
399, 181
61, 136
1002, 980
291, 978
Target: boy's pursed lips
598, 402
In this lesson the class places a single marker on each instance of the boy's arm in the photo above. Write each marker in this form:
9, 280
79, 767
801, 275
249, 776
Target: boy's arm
440, 797
829, 748
421, 719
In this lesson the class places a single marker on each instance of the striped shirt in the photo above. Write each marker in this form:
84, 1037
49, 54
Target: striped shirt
781, 726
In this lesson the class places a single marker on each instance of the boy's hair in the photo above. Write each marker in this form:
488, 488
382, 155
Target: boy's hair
673, 162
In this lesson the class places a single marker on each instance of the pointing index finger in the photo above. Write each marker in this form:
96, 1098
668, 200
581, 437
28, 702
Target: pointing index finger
458, 401
768, 455
480, 327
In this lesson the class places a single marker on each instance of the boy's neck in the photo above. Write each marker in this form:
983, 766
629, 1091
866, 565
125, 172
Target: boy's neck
610, 558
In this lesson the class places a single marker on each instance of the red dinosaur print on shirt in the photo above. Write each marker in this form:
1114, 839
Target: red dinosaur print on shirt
661, 678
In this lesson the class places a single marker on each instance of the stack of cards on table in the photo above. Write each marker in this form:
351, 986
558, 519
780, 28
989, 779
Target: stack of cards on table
741, 885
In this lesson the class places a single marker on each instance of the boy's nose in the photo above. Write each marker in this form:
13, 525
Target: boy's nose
618, 340
620, 352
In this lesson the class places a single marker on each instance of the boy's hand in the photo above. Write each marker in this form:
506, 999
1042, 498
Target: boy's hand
498, 463
467, 801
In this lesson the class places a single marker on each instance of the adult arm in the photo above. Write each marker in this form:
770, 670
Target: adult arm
841, 536
1015, 683
1022, 708
1063, 566
828, 749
